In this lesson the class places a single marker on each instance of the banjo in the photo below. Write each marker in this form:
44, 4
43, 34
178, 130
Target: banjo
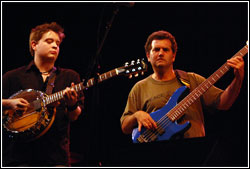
37, 119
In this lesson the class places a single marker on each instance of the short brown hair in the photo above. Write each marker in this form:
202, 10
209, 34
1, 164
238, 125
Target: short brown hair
159, 35
37, 33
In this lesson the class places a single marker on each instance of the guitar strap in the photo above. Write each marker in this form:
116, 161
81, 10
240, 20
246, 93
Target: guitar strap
183, 78
50, 84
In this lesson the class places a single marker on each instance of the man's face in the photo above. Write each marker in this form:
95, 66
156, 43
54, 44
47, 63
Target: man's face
161, 54
47, 48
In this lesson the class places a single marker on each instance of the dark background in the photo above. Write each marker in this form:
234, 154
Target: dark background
207, 35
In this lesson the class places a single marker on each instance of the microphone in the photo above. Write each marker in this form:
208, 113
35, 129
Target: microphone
126, 4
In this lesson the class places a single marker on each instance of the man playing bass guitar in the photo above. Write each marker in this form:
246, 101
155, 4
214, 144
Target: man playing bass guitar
152, 93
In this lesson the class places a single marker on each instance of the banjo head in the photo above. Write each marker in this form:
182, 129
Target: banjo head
31, 123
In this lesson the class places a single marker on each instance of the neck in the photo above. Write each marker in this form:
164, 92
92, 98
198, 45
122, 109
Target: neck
164, 75
43, 66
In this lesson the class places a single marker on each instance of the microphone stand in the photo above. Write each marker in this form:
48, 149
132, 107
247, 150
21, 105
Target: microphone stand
96, 94
96, 60
108, 27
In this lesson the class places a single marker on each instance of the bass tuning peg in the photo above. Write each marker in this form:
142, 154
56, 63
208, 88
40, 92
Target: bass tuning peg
132, 62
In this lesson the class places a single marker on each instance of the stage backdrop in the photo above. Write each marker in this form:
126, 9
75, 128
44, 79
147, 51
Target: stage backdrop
207, 35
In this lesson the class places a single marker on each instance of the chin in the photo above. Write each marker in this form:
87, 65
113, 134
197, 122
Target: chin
161, 65
51, 58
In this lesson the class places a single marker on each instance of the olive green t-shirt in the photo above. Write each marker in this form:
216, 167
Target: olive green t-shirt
150, 95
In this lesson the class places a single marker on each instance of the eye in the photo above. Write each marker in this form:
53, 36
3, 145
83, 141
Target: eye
165, 49
58, 43
49, 41
156, 49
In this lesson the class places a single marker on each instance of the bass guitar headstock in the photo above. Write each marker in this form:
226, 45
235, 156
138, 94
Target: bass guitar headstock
133, 69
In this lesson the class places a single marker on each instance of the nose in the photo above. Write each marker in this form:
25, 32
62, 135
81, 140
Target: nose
161, 51
54, 45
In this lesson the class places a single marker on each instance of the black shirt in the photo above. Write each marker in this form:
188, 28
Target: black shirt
52, 148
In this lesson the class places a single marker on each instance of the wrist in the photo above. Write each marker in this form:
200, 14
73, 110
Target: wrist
72, 108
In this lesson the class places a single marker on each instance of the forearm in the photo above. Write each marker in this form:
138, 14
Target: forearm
6, 104
73, 115
229, 96
128, 124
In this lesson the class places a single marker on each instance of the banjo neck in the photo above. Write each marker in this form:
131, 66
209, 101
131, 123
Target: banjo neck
79, 87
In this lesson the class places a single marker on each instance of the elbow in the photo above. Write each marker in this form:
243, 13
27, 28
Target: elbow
224, 104
224, 107
125, 130
73, 118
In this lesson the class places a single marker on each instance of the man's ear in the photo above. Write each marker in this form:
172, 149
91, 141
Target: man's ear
174, 55
148, 56
33, 45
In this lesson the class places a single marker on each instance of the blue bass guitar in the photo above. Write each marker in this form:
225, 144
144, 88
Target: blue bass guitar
166, 117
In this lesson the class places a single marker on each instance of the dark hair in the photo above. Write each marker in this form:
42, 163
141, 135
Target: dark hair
37, 33
159, 35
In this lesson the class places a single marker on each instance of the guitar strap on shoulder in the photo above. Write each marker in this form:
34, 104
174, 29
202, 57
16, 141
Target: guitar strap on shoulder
50, 84
182, 76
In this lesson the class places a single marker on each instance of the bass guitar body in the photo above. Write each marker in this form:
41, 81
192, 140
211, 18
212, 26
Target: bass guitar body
166, 128
31, 123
